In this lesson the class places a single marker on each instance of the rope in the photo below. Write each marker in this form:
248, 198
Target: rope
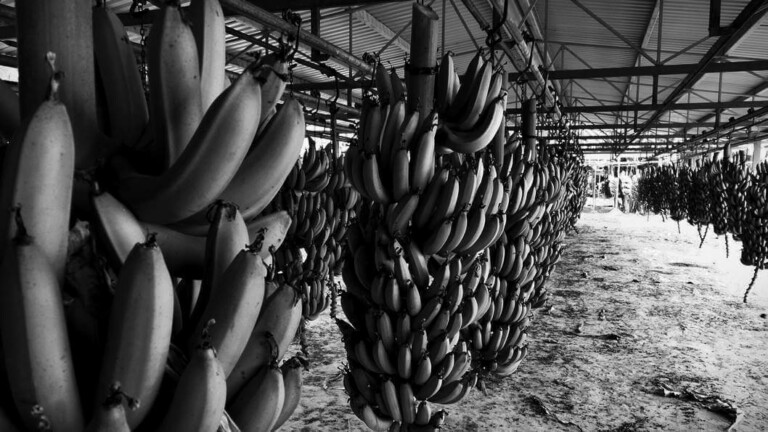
751, 283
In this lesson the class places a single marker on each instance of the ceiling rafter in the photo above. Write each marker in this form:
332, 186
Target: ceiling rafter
373, 23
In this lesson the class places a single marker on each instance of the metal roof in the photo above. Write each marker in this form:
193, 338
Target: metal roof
572, 35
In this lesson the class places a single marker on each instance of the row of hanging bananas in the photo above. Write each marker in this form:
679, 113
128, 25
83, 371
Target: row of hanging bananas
724, 193
313, 250
173, 299
526, 254
432, 268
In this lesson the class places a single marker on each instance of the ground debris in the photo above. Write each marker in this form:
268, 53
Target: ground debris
538, 406
710, 402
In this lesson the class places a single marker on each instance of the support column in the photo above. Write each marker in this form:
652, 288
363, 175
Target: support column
65, 28
757, 153
421, 83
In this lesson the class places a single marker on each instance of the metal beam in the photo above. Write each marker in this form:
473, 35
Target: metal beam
673, 125
657, 107
382, 29
680, 69
277, 6
748, 17
269, 20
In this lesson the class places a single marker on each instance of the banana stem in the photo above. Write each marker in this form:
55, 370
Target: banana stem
751, 283
727, 249
303, 338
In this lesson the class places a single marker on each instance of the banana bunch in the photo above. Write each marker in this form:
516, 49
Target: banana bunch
699, 212
754, 235
525, 255
718, 201
320, 209
405, 312
185, 322
737, 179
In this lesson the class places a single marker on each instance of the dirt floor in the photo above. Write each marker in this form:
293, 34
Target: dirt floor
644, 332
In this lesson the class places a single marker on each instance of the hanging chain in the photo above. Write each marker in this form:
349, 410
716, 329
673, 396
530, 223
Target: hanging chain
138, 9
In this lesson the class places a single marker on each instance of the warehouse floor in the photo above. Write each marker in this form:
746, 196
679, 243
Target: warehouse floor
645, 332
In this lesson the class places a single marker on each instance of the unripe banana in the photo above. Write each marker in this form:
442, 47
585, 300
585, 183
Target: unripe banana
139, 331
207, 20
257, 406
36, 347
292, 383
200, 395
121, 81
174, 82
208, 163
423, 159
277, 323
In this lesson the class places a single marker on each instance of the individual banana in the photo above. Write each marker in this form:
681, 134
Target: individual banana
36, 349
208, 163
200, 395
207, 21
279, 320
257, 406
174, 83
227, 235
365, 412
139, 331
423, 159
292, 379
235, 306
121, 82
37, 175
477, 138
445, 84
266, 166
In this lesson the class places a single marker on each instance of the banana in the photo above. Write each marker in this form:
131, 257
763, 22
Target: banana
257, 406
266, 166
37, 175
139, 331
423, 413
407, 403
36, 350
365, 383
400, 173
279, 320
494, 226
417, 263
404, 361
117, 228
429, 198
438, 238
438, 349
123, 90
364, 357
391, 403
423, 159
292, 383
477, 138
445, 84
461, 363
274, 77
365, 412
466, 114
446, 203
412, 300
458, 231
208, 163
476, 221
174, 84
392, 296
381, 358
372, 180
386, 330
200, 395
419, 344
235, 306
207, 20
389, 142
469, 312
423, 369
468, 185
372, 127
383, 84
227, 235
428, 312
430, 387
110, 416
454, 295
